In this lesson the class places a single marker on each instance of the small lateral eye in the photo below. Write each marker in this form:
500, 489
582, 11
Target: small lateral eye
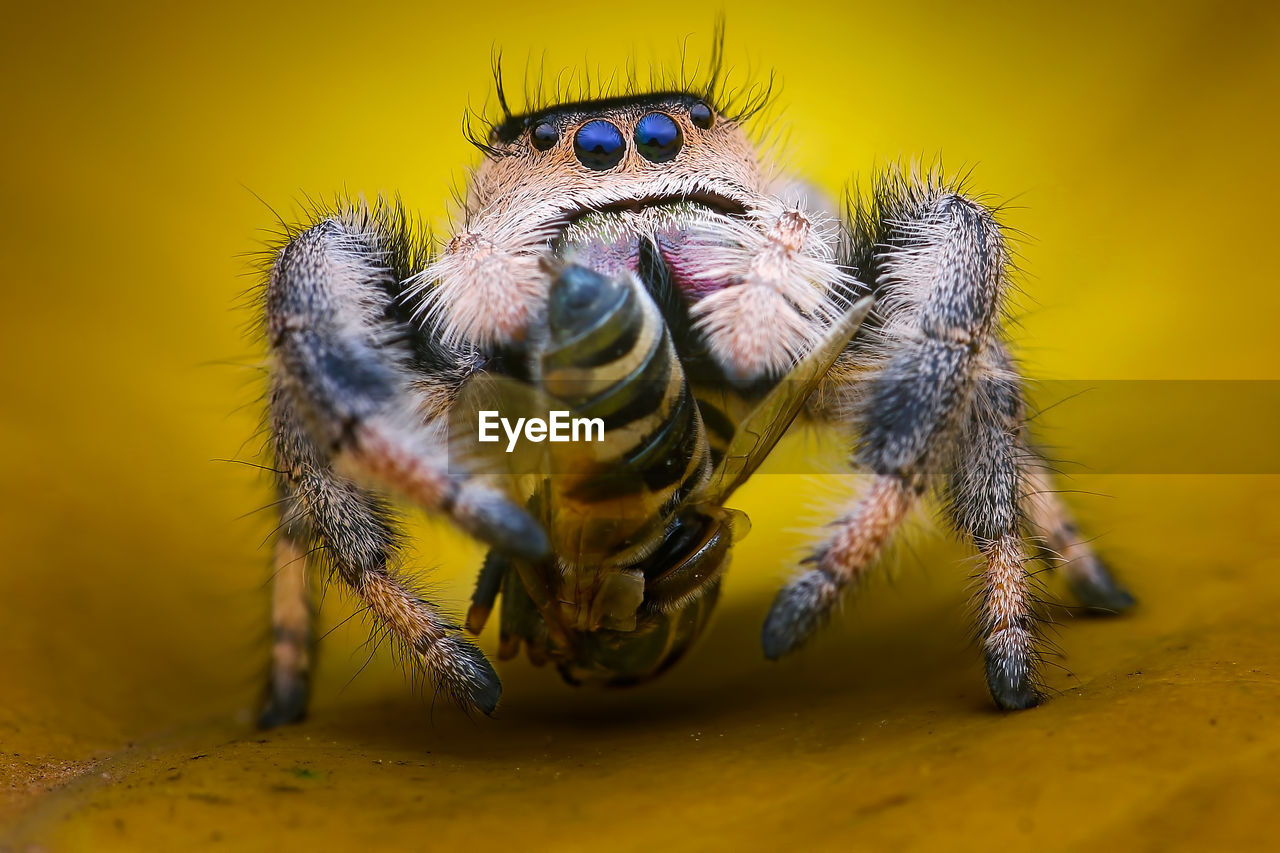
701, 116
599, 145
544, 136
658, 137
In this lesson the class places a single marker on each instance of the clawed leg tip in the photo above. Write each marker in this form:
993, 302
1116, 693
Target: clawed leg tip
1098, 591
777, 646
1012, 694
783, 633
796, 613
1112, 605
492, 518
1104, 599
472, 697
283, 710
520, 537
485, 691
1012, 698
474, 683
530, 544
486, 701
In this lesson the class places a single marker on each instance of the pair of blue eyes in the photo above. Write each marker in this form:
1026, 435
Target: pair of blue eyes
599, 144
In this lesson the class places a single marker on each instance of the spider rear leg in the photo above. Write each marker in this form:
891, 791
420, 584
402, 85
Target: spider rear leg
1059, 544
353, 527
289, 686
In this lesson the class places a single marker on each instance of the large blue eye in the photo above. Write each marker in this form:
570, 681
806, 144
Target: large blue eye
599, 145
658, 137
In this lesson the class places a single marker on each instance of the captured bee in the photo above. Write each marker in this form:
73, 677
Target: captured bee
639, 534
635, 264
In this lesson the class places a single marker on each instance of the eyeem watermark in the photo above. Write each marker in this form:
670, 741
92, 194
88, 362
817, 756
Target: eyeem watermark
557, 427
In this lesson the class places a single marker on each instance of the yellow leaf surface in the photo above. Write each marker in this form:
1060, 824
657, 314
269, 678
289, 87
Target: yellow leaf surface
1138, 148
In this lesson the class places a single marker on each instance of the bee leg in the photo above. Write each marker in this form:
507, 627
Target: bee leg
354, 528
488, 585
1059, 544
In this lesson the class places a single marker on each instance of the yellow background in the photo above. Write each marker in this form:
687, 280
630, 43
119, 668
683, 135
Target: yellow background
1136, 144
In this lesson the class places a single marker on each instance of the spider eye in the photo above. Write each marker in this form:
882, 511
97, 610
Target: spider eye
599, 145
658, 137
544, 136
700, 114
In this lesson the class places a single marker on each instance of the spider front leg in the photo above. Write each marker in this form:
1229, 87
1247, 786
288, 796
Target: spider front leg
1058, 540
326, 512
356, 396
939, 264
984, 491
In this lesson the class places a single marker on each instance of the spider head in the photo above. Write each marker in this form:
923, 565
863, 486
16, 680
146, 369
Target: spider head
607, 177
616, 154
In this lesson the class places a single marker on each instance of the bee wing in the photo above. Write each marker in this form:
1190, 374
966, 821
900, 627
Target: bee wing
757, 433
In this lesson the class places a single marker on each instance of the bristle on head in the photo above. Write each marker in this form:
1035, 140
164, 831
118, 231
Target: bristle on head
737, 100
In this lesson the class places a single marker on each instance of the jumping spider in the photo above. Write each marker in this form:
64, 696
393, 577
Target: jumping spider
643, 243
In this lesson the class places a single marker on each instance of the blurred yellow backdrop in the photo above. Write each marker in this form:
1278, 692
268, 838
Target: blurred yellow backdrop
142, 148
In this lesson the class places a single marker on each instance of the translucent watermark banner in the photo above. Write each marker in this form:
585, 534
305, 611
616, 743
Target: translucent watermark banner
1127, 426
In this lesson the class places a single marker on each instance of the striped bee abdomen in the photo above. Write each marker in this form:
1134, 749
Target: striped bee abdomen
608, 355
